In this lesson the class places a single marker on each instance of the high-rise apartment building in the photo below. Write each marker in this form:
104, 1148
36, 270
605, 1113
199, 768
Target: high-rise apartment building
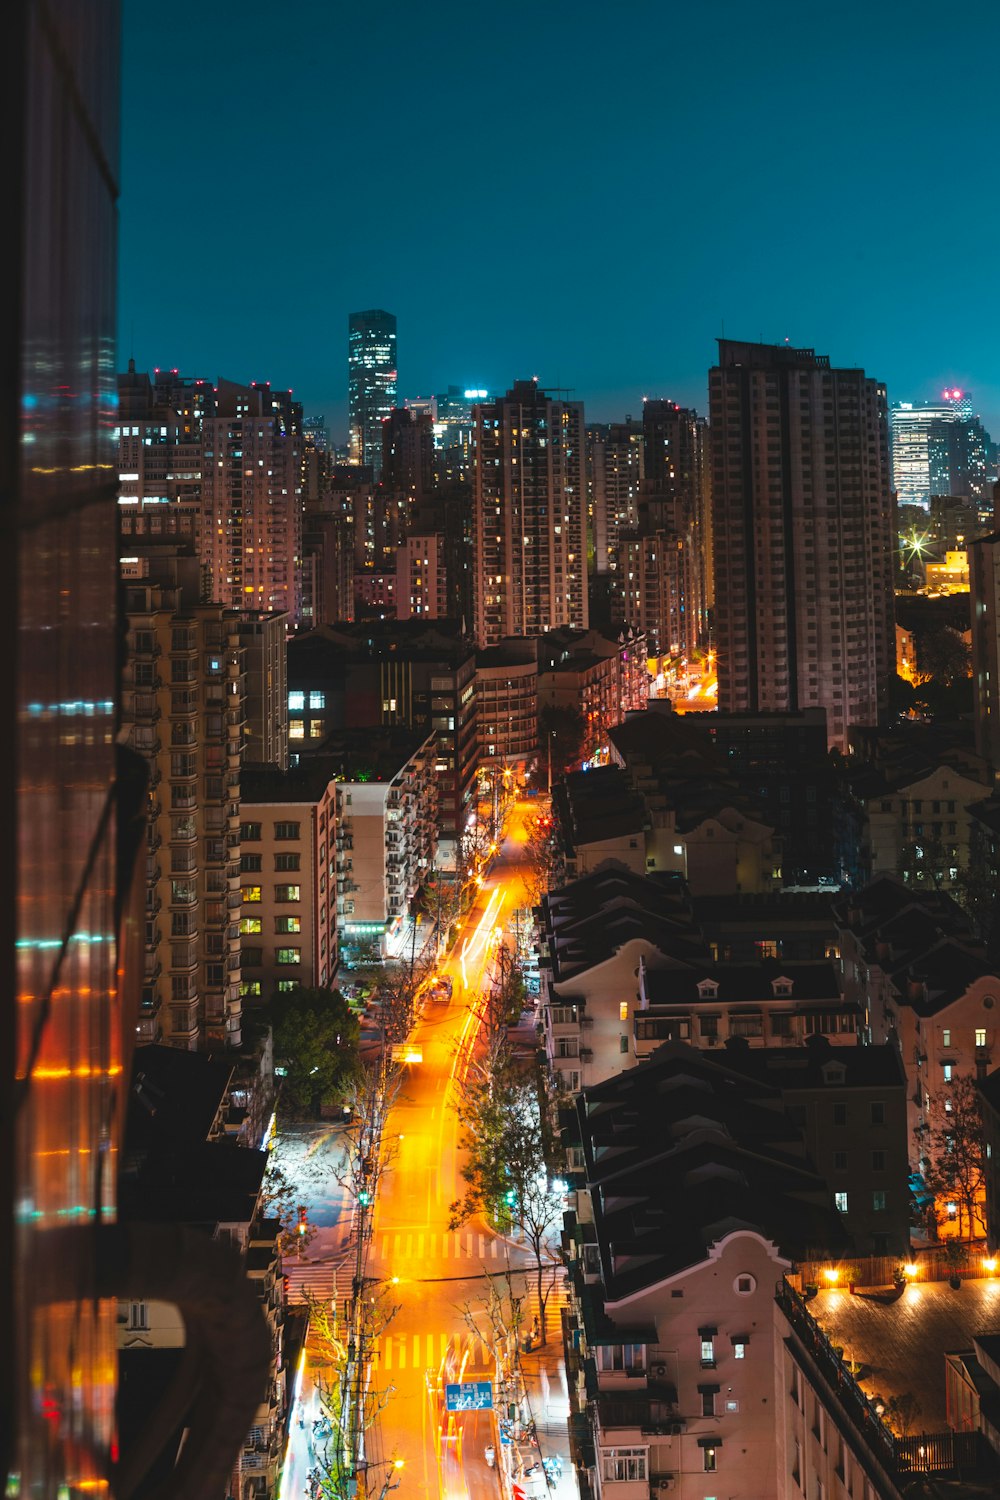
421, 579
251, 515
940, 448
371, 382
182, 709
263, 638
802, 535
529, 515
615, 469
408, 452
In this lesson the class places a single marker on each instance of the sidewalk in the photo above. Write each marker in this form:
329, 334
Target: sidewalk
546, 1393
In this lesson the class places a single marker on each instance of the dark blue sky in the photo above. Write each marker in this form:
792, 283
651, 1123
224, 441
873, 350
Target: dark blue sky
578, 191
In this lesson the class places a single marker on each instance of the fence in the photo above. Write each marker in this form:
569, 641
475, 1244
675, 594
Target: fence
935, 1263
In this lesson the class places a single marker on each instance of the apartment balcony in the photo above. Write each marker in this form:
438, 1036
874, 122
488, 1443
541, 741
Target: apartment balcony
152, 969
150, 652
183, 835
145, 742
183, 895
184, 959
154, 838
153, 871
154, 902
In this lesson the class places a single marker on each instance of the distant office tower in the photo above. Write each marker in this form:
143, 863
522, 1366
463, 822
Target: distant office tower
984, 598
803, 536
940, 448
315, 433
371, 382
251, 515
615, 468
529, 515
71, 824
408, 452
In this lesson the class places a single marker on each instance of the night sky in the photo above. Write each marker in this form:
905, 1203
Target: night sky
585, 192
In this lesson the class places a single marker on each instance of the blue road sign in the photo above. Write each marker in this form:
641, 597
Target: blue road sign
469, 1395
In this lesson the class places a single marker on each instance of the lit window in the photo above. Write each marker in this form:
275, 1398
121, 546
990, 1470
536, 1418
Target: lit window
739, 1348
317, 700
296, 702
250, 925
285, 893
708, 1346
250, 832
623, 1011
947, 1072
250, 989
953, 1210
840, 1202
946, 1037
710, 1460
288, 924
296, 729
879, 1200
288, 956
980, 1036
251, 893
316, 730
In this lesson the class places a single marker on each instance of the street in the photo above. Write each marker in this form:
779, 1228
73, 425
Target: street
435, 1273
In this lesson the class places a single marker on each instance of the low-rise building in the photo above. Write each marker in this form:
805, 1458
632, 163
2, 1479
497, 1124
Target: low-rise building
386, 842
507, 705
183, 1166
697, 1377
288, 922
921, 979
919, 826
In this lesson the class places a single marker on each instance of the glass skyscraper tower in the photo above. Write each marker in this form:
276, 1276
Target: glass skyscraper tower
371, 382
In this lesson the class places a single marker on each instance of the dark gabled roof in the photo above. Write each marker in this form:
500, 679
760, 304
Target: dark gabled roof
886, 897
592, 806
812, 980
174, 1096
214, 1183
685, 1132
793, 1068
588, 920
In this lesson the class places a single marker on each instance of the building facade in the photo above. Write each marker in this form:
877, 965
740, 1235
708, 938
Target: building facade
940, 448
182, 710
803, 543
371, 383
421, 578
251, 512
288, 915
507, 705
529, 515
984, 600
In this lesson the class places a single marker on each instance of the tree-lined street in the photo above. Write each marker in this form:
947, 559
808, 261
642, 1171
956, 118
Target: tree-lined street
438, 1274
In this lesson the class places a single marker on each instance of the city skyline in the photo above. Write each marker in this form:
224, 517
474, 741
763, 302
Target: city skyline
812, 242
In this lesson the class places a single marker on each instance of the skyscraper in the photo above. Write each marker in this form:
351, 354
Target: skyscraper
371, 382
940, 448
803, 536
529, 515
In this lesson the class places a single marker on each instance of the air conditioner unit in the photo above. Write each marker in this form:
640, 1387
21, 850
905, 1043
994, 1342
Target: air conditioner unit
676, 1428
659, 1371
667, 1482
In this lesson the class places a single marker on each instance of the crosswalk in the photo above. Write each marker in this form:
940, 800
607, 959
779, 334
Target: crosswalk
314, 1279
423, 1247
431, 1351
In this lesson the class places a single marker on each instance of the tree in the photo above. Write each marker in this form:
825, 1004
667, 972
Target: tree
282, 1199
316, 1040
925, 864
514, 1157
943, 655
953, 1154
561, 740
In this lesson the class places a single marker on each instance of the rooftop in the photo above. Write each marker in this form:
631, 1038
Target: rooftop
901, 1345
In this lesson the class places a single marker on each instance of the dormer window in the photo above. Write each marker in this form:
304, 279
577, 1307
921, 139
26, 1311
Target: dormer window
781, 986
708, 989
834, 1072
